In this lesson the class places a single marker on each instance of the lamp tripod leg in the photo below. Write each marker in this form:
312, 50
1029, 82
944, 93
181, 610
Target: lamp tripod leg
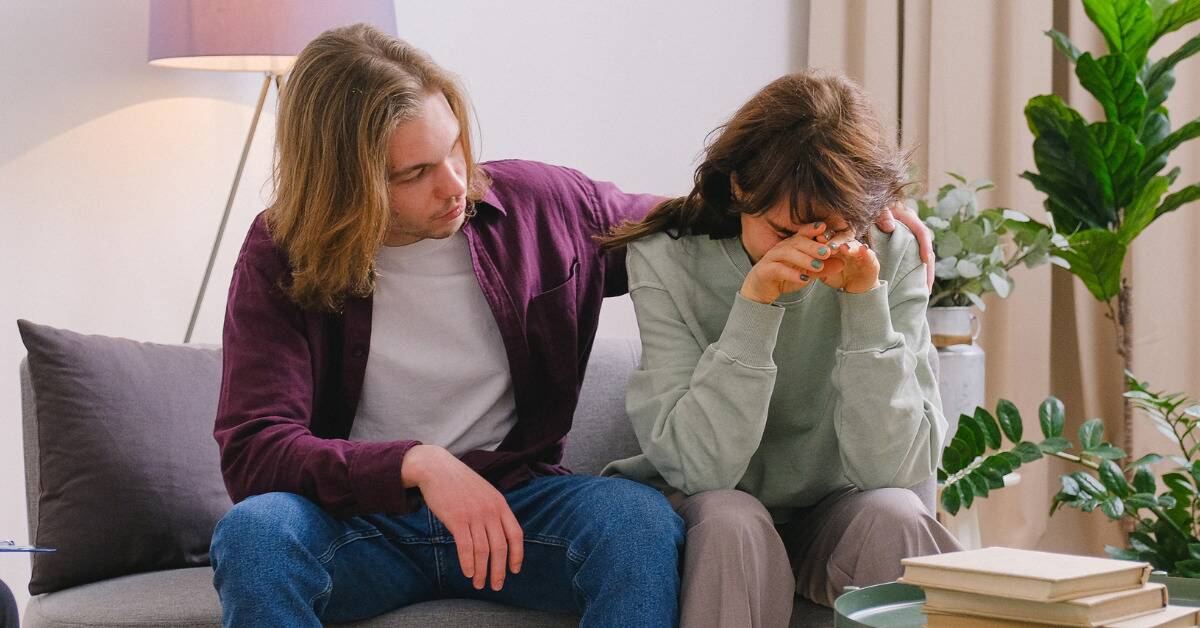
237, 178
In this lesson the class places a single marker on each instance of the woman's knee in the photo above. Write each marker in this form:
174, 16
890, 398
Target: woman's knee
730, 510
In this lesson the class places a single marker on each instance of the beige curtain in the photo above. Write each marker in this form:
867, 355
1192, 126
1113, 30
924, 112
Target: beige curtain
955, 76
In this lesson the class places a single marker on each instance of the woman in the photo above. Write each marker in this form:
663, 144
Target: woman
786, 396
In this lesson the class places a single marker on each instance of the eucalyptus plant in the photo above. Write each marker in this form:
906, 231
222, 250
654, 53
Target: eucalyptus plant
1164, 521
976, 248
1104, 180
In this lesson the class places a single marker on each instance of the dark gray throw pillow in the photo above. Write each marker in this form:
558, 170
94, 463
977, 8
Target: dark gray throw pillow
127, 471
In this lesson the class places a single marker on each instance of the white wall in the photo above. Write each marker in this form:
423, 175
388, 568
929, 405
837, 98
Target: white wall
113, 173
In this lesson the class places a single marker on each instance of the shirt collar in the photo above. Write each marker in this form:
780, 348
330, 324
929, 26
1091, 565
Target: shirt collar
491, 200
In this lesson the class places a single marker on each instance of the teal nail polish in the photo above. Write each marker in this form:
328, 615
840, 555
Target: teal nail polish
817, 264
822, 251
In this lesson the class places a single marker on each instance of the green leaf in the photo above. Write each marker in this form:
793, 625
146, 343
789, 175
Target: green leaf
1143, 480
1160, 78
1114, 83
1089, 484
991, 430
1189, 131
1141, 500
1054, 444
948, 245
1113, 508
1052, 416
1194, 550
950, 499
1177, 199
1119, 161
1064, 45
966, 492
1167, 501
1049, 115
979, 483
1010, 420
1176, 16
1070, 486
1128, 26
1106, 451
1147, 459
1027, 451
1113, 478
969, 433
952, 461
988, 477
941, 476
1091, 433
997, 463
1179, 484
1096, 256
1143, 210
965, 451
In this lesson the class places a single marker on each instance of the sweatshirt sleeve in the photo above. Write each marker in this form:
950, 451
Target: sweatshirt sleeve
888, 416
699, 411
266, 405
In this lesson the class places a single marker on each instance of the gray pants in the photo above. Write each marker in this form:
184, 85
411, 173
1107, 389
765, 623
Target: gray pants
739, 569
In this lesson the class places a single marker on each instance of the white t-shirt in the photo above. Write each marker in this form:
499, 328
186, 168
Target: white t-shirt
437, 370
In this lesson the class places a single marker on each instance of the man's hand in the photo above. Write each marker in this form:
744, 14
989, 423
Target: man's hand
900, 211
473, 511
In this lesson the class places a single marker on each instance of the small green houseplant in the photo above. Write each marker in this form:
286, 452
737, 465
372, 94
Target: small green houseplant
1165, 518
977, 248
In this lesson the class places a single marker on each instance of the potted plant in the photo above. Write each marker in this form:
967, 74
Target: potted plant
976, 249
1106, 181
1165, 517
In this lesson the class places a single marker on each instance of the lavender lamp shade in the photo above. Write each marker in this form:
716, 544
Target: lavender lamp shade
251, 35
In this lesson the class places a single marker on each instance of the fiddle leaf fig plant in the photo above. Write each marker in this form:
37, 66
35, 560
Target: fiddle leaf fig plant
1107, 180
976, 248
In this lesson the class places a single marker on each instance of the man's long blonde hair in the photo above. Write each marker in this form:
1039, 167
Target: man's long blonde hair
348, 90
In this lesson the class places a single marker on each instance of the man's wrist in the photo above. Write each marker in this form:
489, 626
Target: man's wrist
415, 465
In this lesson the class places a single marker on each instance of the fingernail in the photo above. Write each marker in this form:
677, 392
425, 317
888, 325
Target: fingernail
822, 251
836, 244
817, 264
818, 225
803, 277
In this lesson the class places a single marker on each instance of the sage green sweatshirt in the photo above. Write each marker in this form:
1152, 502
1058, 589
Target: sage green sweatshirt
788, 402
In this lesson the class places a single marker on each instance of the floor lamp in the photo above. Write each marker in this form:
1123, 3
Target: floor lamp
248, 36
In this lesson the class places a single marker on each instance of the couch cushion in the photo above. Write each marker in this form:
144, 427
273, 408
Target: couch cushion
128, 476
601, 431
185, 598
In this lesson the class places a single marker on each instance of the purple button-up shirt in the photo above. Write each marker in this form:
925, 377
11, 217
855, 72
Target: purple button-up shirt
292, 378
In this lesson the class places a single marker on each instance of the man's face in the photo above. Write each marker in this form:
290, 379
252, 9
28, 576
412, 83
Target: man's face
427, 175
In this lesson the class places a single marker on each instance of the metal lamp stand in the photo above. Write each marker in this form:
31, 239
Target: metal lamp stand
268, 78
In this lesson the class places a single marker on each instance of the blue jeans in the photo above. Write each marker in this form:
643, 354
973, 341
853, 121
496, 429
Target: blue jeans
603, 548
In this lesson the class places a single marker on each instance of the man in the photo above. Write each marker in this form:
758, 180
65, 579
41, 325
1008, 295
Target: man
405, 339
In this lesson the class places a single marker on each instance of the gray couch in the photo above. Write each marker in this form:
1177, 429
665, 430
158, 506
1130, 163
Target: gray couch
185, 596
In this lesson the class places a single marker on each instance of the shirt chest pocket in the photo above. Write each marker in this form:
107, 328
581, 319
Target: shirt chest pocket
552, 326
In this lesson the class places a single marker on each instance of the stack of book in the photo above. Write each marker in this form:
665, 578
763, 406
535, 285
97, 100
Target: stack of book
1002, 587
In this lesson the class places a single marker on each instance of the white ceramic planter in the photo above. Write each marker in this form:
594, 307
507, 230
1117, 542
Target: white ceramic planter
961, 383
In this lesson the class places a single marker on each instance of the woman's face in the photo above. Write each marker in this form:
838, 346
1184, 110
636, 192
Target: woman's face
761, 232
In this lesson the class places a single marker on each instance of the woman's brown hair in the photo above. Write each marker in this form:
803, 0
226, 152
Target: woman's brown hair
348, 90
811, 138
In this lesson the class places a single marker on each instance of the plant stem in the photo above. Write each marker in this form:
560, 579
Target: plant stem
1171, 522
